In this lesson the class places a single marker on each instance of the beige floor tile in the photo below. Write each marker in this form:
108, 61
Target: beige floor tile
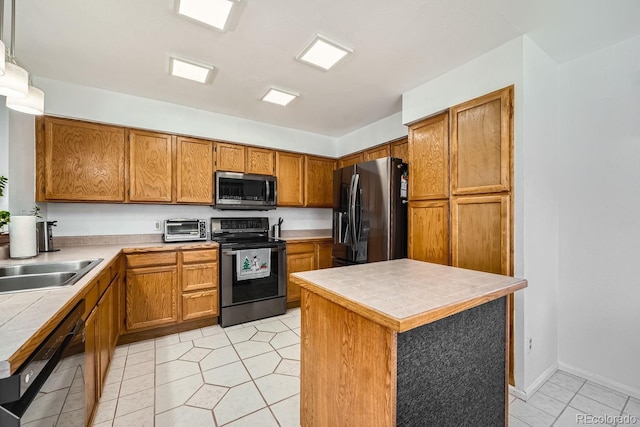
133, 371
134, 402
213, 341
263, 364
284, 339
140, 357
74, 402
114, 376
208, 396
185, 416
228, 375
110, 391
172, 352
176, 393
190, 335
135, 385
514, 422
292, 323
289, 367
46, 405
288, 411
71, 419
547, 404
566, 380
262, 418
272, 326
568, 418
121, 350
175, 370
167, 340
530, 414
291, 352
276, 387
141, 418
251, 348
141, 346
590, 406
238, 402
240, 335
604, 395
196, 354
105, 412
219, 357
211, 330
562, 394
298, 331
118, 362
263, 336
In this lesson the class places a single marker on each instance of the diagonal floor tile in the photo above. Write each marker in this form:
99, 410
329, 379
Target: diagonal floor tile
135, 402
175, 370
176, 393
140, 357
288, 411
141, 346
252, 348
562, 394
196, 354
135, 385
289, 367
566, 380
219, 357
530, 415
547, 404
167, 340
284, 339
141, 418
185, 416
211, 330
262, 418
604, 395
272, 326
590, 406
263, 364
238, 402
228, 375
263, 336
276, 387
208, 396
191, 335
212, 341
138, 370
172, 352
243, 334
292, 322
291, 352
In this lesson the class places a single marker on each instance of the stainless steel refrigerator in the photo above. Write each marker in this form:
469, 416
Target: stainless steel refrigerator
370, 212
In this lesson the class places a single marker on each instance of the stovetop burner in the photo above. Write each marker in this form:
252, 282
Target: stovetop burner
237, 231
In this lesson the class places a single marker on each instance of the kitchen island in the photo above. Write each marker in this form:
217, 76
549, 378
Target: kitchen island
404, 343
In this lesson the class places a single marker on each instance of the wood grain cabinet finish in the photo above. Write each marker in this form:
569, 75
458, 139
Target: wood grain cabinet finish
194, 171
230, 157
79, 161
429, 158
377, 152
196, 305
318, 181
400, 149
199, 274
151, 297
300, 257
260, 161
91, 352
481, 144
351, 159
480, 233
106, 323
290, 178
150, 166
429, 231
323, 254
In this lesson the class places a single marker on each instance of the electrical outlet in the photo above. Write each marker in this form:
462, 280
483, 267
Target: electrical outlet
156, 225
530, 346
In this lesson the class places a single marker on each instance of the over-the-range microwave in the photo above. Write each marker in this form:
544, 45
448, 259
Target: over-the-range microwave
245, 191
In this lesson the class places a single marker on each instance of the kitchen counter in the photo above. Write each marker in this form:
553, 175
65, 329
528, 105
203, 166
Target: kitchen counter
27, 315
304, 235
404, 342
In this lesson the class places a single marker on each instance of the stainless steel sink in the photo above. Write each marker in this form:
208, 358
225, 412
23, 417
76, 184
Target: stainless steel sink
26, 277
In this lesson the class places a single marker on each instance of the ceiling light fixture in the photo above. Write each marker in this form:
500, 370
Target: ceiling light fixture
190, 70
14, 84
323, 53
214, 13
278, 96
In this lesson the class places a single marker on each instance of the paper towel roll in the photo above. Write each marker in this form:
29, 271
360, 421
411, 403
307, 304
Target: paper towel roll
22, 235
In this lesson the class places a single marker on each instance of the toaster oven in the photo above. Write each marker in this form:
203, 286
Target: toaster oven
184, 230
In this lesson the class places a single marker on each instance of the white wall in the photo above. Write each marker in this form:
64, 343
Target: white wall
600, 214
379, 132
4, 153
71, 100
22, 162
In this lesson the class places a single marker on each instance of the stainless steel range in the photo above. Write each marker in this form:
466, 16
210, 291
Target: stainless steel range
253, 270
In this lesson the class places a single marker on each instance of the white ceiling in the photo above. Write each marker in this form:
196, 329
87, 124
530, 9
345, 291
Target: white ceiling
123, 46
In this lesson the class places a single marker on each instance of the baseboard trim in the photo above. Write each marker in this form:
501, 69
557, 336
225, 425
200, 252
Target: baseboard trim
598, 379
530, 391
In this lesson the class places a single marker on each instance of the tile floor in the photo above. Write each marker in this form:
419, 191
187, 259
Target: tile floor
248, 375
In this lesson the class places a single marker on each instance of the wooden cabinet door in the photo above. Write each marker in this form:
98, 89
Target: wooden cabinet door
351, 159
199, 276
323, 254
230, 157
90, 366
429, 231
400, 149
80, 162
105, 326
429, 158
377, 152
289, 173
116, 287
151, 297
260, 161
480, 233
150, 166
199, 304
194, 171
481, 144
318, 181
296, 263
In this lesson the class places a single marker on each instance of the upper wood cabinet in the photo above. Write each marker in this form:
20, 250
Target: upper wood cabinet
290, 178
260, 161
351, 159
150, 166
480, 233
318, 180
377, 152
429, 231
79, 161
429, 158
400, 149
230, 157
194, 171
481, 144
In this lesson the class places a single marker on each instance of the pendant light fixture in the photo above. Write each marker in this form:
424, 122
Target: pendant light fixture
14, 84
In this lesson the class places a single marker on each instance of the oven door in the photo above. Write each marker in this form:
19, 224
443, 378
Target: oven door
234, 291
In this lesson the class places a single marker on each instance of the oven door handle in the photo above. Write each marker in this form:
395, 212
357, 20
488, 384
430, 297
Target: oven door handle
231, 253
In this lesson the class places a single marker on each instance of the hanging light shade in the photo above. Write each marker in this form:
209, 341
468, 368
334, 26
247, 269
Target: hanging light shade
32, 104
2, 49
15, 81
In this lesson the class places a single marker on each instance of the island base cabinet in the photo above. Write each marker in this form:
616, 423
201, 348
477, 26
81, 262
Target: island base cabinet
355, 371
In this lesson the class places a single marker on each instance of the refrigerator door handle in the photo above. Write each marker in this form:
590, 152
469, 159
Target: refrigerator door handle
355, 184
337, 227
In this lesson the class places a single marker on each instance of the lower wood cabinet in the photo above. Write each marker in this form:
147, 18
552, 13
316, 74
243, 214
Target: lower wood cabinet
199, 304
90, 366
323, 254
199, 283
305, 256
429, 231
151, 297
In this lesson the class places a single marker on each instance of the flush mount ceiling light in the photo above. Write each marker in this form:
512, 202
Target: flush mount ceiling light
214, 13
323, 53
190, 70
278, 96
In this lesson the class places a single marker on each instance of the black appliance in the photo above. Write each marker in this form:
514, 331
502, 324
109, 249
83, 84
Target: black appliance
370, 212
245, 191
253, 270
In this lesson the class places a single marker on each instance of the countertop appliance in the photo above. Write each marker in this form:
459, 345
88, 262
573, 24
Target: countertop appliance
45, 236
253, 270
49, 387
184, 230
370, 212
245, 191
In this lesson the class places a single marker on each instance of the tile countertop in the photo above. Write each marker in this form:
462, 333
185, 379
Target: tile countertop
403, 294
23, 314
